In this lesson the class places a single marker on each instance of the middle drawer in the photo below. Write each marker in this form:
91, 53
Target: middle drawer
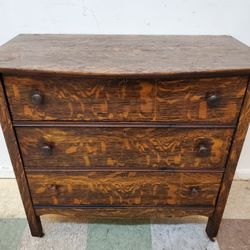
90, 147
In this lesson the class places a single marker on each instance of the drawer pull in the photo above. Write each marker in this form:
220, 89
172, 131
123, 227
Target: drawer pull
194, 190
212, 99
37, 98
53, 188
46, 149
203, 150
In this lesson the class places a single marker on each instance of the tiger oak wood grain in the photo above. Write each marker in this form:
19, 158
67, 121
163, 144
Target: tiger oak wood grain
16, 160
126, 212
128, 55
85, 99
123, 188
154, 148
118, 119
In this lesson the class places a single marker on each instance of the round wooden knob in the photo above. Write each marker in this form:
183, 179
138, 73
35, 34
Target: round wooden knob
212, 99
53, 188
37, 98
194, 190
46, 149
203, 150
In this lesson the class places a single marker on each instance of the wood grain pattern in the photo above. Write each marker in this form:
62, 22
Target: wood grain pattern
10, 138
84, 99
124, 55
234, 154
124, 126
154, 148
126, 212
123, 188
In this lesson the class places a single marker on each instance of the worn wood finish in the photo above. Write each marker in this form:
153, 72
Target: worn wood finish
123, 188
10, 138
124, 55
175, 101
124, 126
126, 212
154, 148
234, 154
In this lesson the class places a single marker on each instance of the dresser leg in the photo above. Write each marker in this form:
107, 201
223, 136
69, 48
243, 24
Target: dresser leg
13, 148
212, 228
35, 226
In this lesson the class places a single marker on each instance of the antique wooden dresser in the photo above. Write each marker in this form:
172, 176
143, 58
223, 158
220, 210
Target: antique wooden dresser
124, 126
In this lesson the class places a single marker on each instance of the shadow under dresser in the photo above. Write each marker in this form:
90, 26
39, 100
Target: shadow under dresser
122, 126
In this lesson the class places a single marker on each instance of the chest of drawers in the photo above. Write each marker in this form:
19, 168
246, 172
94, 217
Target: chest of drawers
124, 126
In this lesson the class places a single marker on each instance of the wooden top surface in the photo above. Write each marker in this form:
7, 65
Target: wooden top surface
124, 55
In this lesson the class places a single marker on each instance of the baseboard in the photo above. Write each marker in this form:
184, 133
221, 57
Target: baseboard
6, 173
242, 174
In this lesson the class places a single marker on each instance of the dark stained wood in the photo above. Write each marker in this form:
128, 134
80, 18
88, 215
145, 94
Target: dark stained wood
234, 154
83, 124
170, 170
188, 100
126, 212
124, 55
9, 134
153, 148
84, 99
123, 188
124, 126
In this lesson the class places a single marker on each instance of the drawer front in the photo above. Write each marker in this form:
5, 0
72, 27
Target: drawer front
211, 100
123, 188
157, 148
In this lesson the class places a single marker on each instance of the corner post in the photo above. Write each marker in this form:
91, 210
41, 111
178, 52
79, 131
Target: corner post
13, 148
234, 154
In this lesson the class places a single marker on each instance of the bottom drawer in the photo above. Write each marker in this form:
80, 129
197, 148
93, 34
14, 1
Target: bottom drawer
123, 188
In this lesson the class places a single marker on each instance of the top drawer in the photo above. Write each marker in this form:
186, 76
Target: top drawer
210, 100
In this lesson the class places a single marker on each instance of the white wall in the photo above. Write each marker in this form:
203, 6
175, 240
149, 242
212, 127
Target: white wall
126, 17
